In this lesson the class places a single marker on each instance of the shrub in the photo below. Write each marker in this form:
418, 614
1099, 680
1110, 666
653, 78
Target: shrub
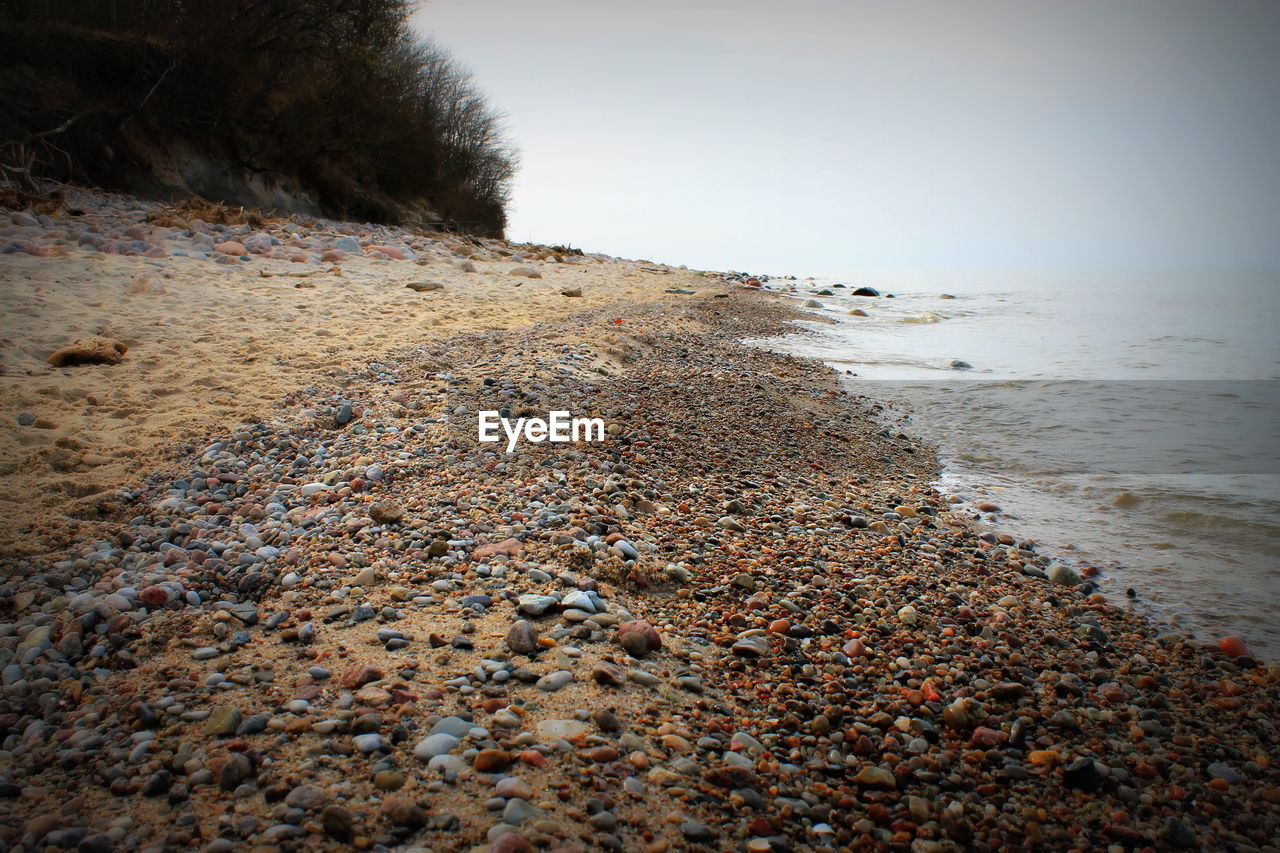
333, 98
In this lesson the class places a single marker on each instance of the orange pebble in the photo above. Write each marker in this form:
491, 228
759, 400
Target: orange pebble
533, 757
1235, 647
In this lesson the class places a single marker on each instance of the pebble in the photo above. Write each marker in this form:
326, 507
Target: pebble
235, 770
755, 646
435, 744
639, 638
551, 729
522, 639
555, 681
689, 633
1062, 574
695, 831
491, 759
608, 674
367, 742
513, 786
338, 822
536, 605
306, 797
875, 777
223, 721
518, 811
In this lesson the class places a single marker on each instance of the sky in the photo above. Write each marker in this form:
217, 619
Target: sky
896, 137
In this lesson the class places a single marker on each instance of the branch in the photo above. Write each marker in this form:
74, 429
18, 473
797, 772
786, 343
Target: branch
53, 131
152, 91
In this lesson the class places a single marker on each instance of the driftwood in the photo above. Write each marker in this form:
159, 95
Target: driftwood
18, 159
306, 274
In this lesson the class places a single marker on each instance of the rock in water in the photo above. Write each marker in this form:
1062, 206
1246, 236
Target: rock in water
1062, 575
865, 291
1234, 646
91, 350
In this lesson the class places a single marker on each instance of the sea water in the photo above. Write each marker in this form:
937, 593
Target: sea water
1129, 424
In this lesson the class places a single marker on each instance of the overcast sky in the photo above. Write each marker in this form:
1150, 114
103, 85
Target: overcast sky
833, 137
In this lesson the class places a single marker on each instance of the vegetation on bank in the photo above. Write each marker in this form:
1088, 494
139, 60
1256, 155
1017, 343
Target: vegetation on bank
333, 103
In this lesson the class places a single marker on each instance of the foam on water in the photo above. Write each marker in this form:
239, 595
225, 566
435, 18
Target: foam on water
1129, 427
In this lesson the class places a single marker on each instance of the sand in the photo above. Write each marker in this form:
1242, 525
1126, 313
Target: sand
211, 344
260, 654
844, 662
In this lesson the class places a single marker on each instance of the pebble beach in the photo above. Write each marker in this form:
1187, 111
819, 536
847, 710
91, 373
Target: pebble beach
263, 589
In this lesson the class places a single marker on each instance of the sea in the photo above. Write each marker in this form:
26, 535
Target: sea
1129, 424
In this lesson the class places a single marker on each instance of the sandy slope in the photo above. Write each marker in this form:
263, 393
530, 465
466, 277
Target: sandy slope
214, 339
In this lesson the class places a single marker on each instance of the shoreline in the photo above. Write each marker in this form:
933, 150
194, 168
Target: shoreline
376, 631
1079, 505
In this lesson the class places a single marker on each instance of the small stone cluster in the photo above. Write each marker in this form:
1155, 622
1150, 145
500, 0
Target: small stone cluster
744, 621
